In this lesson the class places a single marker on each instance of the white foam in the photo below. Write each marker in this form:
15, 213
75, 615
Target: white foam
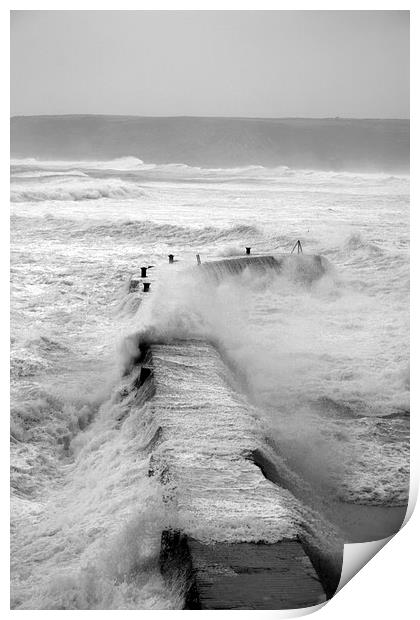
306, 356
70, 189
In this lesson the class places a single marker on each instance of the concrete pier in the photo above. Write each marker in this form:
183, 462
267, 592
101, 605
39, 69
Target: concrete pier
242, 575
254, 576
301, 267
241, 541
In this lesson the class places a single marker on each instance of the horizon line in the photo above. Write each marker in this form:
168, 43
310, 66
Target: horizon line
184, 116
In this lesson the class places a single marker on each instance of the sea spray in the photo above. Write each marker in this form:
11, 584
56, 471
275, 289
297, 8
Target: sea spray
70, 264
100, 526
273, 357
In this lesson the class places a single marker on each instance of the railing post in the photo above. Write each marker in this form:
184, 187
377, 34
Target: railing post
297, 245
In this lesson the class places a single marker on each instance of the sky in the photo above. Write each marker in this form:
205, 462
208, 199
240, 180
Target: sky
211, 63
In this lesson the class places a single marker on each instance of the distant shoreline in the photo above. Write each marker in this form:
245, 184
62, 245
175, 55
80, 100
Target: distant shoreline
191, 116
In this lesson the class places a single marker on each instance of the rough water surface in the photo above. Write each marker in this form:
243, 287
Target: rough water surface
321, 362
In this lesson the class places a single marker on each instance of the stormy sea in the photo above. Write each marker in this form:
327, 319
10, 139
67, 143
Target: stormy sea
304, 369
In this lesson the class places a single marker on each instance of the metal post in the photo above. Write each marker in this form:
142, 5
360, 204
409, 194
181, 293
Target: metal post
143, 272
248, 250
146, 286
297, 245
198, 259
171, 258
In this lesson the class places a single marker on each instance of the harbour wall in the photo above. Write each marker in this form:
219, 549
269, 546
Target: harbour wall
240, 538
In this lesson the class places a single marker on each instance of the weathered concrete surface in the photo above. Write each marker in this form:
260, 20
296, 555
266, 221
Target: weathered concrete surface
304, 268
207, 428
254, 576
241, 575
229, 502
244, 539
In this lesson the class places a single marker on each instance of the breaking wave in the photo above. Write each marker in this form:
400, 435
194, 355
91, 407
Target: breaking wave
121, 163
37, 174
144, 230
30, 167
69, 189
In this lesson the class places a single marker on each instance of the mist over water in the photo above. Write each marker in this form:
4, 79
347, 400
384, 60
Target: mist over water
363, 145
324, 362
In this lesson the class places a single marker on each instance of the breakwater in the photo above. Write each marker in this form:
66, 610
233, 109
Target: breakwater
302, 267
240, 539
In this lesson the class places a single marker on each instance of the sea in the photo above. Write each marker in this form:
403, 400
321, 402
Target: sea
322, 362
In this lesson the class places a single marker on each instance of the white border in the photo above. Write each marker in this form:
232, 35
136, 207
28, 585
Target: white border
387, 586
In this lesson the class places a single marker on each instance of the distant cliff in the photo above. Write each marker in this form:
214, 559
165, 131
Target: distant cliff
330, 144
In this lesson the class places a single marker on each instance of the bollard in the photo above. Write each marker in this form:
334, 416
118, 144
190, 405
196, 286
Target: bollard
198, 259
134, 285
171, 258
143, 272
248, 250
146, 286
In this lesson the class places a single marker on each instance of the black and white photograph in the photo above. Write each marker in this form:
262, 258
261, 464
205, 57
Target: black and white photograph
209, 304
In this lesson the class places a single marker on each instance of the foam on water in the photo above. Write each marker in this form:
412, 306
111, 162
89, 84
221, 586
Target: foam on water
69, 187
92, 539
321, 361
121, 163
272, 349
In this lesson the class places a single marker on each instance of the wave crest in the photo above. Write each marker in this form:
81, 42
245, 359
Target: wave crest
72, 190
120, 163
170, 232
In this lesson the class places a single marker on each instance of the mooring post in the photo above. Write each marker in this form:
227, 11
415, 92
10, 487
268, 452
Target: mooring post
198, 259
146, 286
248, 250
171, 258
143, 272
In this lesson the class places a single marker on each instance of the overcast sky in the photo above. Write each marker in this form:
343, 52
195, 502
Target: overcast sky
211, 63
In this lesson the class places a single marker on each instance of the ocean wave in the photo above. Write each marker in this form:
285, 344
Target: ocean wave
38, 174
24, 366
35, 167
120, 163
175, 233
142, 229
72, 190
356, 243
